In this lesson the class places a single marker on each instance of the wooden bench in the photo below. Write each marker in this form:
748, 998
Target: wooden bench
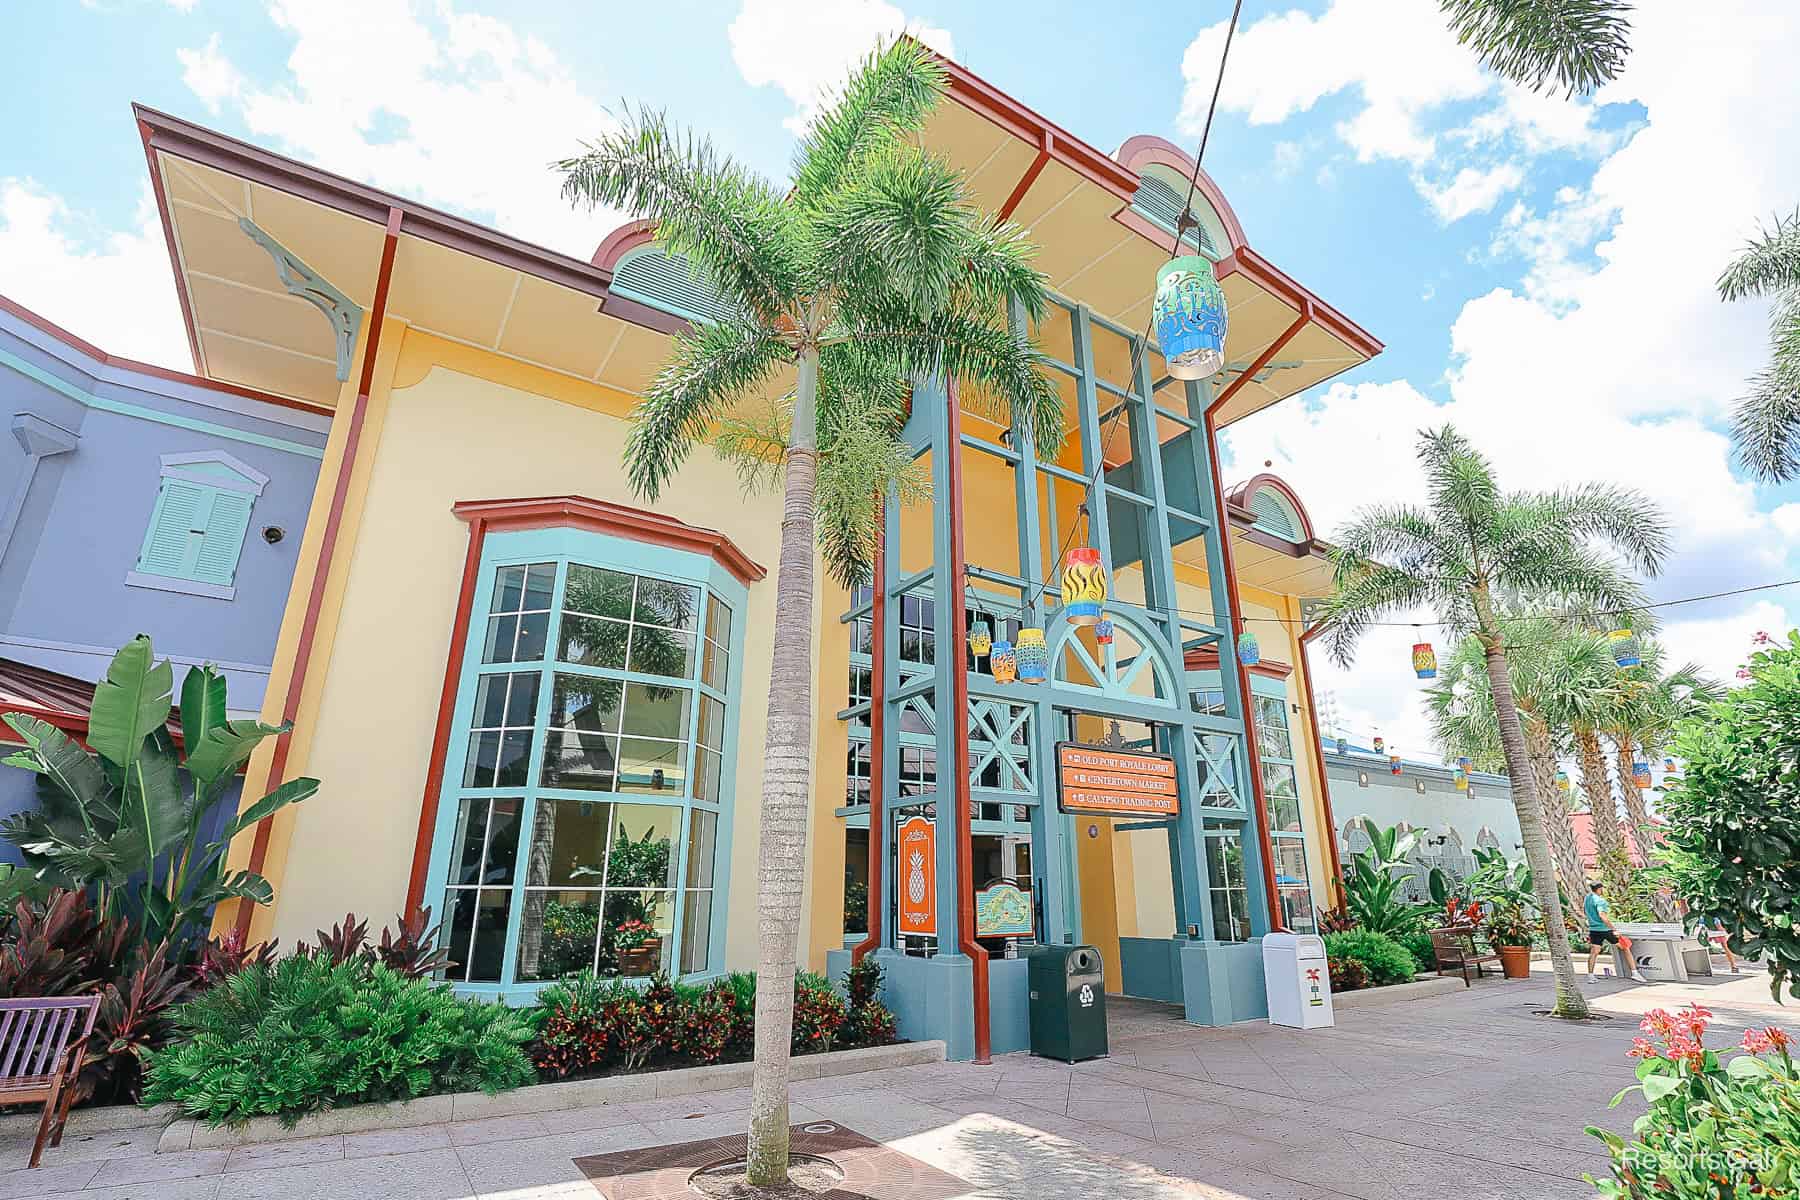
43, 1043
1455, 952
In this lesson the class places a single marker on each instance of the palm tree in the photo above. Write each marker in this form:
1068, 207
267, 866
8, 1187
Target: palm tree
1578, 680
1644, 713
1461, 707
872, 269
1471, 549
1578, 43
1766, 425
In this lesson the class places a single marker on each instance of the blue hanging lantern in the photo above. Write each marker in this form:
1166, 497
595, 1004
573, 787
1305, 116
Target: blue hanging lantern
1103, 632
1343, 745
1003, 662
1190, 317
1668, 766
1393, 764
1034, 656
1249, 651
981, 638
1640, 773
1625, 650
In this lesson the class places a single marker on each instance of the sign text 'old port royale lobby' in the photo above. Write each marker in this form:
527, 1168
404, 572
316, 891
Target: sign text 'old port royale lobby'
1072, 707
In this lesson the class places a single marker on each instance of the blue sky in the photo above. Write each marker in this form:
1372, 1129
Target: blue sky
1539, 269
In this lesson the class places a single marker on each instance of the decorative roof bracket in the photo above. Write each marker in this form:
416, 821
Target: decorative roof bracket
302, 281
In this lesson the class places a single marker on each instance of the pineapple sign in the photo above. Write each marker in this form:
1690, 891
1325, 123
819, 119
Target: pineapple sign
917, 879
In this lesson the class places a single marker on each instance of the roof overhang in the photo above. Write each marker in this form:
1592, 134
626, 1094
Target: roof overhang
276, 263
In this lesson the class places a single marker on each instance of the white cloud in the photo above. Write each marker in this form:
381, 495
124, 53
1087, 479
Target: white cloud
458, 110
115, 289
1396, 54
209, 74
806, 49
1616, 365
1471, 191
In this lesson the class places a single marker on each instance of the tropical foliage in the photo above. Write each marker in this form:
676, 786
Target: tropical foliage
1576, 45
308, 1033
1375, 882
1766, 424
872, 269
1715, 1127
123, 821
1506, 887
1733, 815
1382, 957
1469, 552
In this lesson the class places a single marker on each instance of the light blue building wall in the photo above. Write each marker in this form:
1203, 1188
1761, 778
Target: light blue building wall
131, 502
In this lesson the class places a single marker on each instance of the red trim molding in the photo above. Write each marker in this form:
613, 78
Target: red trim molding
540, 512
328, 544
76, 342
1147, 150
1028, 178
1206, 658
603, 516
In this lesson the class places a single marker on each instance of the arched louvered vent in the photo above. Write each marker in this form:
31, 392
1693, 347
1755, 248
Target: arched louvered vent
1161, 205
1275, 515
651, 277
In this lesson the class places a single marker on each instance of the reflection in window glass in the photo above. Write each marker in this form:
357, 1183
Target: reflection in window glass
597, 889
1225, 880
481, 873
500, 731
519, 616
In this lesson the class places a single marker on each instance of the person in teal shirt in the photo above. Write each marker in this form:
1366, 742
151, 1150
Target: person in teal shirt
1602, 931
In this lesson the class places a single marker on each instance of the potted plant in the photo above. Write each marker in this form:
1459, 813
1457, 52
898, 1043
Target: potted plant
638, 945
1509, 932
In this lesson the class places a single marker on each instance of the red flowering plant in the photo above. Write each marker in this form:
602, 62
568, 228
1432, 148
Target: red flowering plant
1462, 916
1714, 1129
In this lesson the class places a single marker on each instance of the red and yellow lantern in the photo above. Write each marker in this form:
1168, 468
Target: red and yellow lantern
1424, 660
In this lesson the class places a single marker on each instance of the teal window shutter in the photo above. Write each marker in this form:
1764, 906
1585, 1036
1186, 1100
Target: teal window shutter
229, 520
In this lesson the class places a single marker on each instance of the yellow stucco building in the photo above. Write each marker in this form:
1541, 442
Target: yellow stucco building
536, 703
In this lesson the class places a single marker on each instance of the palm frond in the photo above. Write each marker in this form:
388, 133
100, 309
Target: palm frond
729, 223
1535, 523
1765, 424
1403, 536
1365, 595
1005, 371
892, 92
1460, 482
997, 268
755, 443
707, 370
1580, 44
902, 228
860, 463
1768, 263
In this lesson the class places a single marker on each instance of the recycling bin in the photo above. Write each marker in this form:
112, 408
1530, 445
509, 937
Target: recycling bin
1298, 978
1068, 1002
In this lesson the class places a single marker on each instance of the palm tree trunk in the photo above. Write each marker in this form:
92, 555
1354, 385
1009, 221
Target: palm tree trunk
1638, 817
1569, 1001
1610, 854
787, 789
1557, 826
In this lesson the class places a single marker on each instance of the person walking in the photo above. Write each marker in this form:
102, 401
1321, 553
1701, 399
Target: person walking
1716, 934
1602, 932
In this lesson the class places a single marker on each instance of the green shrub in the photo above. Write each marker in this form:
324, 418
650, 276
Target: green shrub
1347, 975
1732, 817
307, 1034
1386, 960
1418, 944
1715, 1128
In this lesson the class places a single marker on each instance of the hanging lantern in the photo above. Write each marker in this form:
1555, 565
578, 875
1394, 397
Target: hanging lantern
1083, 586
1668, 766
1034, 656
1424, 660
1640, 773
1380, 743
1462, 780
981, 638
1462, 762
1562, 780
1249, 651
1002, 662
1103, 631
1190, 316
1625, 650
1343, 745
1393, 764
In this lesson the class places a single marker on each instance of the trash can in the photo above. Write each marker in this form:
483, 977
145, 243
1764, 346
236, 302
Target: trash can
1299, 980
1068, 1002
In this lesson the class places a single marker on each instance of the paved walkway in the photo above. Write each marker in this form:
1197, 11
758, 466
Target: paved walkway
1466, 1095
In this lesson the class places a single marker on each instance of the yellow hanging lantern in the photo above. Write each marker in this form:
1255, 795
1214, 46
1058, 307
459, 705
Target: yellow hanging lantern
1462, 780
981, 638
1002, 662
1625, 649
1083, 586
1424, 660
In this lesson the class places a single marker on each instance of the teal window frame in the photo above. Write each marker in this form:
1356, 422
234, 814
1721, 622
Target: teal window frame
565, 547
194, 541
1003, 810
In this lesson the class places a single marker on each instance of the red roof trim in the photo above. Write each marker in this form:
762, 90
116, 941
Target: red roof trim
1147, 149
45, 325
602, 516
